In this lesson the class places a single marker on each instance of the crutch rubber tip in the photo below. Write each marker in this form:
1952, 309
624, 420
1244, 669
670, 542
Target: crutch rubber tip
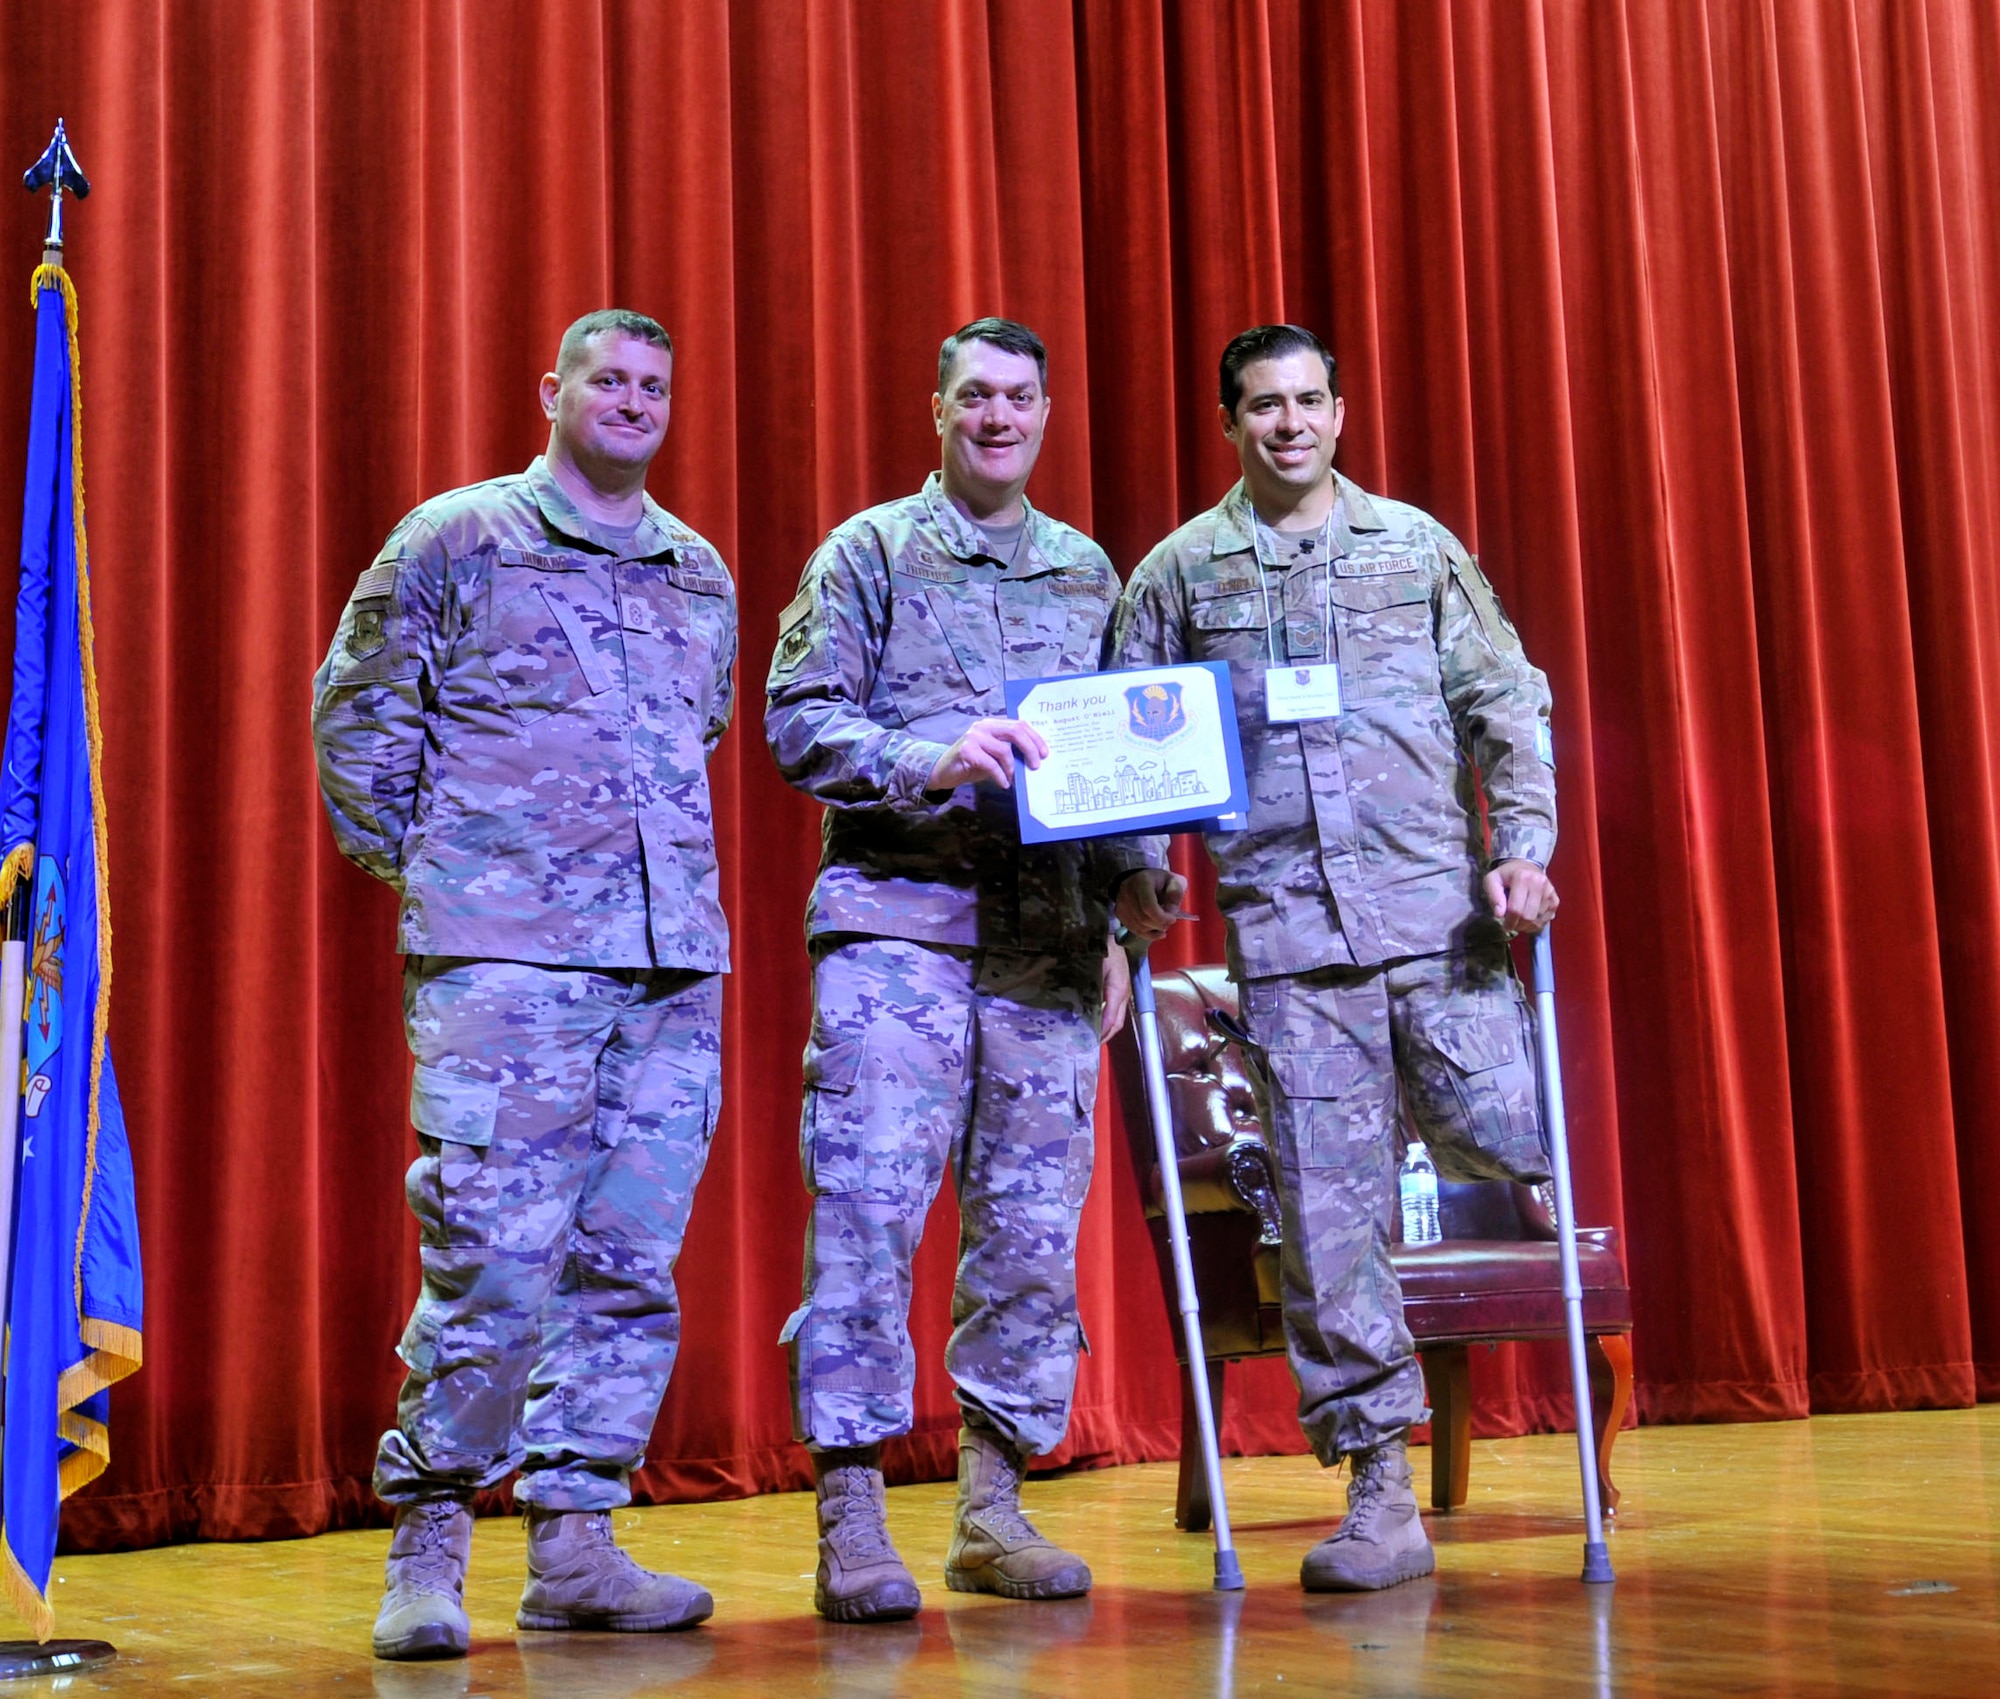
1228, 1573
1596, 1564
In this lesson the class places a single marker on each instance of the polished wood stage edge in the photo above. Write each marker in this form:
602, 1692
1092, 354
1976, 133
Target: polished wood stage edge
1849, 1555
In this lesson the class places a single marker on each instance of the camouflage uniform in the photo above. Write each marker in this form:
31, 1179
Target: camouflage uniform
513, 727
1371, 971
956, 985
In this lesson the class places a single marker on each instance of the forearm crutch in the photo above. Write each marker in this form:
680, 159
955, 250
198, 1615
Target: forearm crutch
1596, 1557
1228, 1572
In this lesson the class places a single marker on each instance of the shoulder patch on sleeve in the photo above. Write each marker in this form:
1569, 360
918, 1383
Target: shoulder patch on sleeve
797, 633
378, 580
1479, 592
796, 610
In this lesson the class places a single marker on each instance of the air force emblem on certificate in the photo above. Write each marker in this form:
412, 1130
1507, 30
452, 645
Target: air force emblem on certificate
1138, 751
1156, 713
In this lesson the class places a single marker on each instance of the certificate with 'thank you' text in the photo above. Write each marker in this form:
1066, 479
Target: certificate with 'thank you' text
1149, 750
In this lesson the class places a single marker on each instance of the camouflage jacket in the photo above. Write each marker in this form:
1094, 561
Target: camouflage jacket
904, 632
1364, 841
513, 727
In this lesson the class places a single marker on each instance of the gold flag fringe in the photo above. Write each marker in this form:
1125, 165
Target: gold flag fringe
19, 864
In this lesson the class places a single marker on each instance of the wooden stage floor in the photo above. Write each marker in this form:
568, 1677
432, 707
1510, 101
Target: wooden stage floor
1850, 1555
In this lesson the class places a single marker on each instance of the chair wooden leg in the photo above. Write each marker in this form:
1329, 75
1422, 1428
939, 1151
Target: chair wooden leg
1448, 1385
1610, 1394
1191, 1507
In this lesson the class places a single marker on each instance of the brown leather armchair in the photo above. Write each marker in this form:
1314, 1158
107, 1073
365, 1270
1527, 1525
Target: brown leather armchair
1495, 1275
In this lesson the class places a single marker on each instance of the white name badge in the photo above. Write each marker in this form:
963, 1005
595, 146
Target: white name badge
1301, 693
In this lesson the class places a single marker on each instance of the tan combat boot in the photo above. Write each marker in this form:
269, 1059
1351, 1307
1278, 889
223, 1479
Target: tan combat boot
423, 1602
1382, 1540
578, 1578
860, 1579
994, 1548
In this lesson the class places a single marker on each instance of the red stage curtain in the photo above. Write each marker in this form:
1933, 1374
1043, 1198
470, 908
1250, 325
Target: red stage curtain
1683, 315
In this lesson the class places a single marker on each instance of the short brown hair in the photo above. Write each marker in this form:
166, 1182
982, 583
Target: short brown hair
615, 321
1269, 342
1003, 334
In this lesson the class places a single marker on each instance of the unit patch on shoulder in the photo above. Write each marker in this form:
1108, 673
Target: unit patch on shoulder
795, 631
1485, 601
793, 648
368, 630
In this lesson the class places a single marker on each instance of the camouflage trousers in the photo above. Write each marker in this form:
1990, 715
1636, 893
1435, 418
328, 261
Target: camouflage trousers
563, 1117
924, 1057
1345, 1054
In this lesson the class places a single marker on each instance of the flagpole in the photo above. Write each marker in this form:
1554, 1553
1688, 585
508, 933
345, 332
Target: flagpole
58, 172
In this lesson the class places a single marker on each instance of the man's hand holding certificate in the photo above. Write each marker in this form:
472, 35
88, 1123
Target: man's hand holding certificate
1149, 750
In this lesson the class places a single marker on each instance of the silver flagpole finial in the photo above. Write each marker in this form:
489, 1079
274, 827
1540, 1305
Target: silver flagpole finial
57, 171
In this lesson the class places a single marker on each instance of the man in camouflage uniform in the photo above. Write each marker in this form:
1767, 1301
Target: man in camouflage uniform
956, 980
513, 727
1367, 919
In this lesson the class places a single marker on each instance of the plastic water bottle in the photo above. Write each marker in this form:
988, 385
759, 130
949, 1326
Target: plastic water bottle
1419, 1184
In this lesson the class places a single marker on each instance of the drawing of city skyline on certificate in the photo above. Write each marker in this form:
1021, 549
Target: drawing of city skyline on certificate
1148, 750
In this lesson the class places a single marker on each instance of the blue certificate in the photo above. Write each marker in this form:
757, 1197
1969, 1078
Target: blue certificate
1149, 750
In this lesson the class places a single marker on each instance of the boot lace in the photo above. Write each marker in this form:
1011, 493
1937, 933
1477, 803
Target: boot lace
427, 1563
1368, 1489
1003, 1513
856, 1527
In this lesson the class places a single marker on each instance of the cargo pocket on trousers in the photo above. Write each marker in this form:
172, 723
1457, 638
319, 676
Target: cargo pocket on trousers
457, 1112
1486, 1057
1305, 1085
1083, 1132
830, 1135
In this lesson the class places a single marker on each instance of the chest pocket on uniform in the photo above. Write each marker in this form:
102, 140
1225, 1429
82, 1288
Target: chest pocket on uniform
539, 633
1077, 608
1234, 619
932, 661
1382, 629
1050, 624
691, 629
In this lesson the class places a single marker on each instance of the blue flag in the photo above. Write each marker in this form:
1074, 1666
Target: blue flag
74, 1301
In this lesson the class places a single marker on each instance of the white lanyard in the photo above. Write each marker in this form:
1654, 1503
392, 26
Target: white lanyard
1292, 692
1326, 587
